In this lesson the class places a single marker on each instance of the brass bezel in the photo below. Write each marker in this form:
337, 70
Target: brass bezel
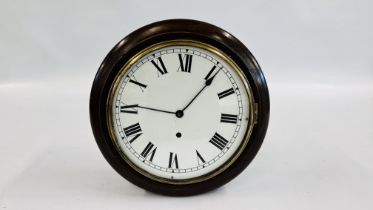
155, 47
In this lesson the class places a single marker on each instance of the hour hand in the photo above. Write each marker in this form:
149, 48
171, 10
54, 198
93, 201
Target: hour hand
208, 78
207, 83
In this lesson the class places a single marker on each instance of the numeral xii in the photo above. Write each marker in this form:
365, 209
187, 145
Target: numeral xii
185, 64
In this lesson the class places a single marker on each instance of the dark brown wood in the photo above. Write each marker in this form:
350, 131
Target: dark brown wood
173, 30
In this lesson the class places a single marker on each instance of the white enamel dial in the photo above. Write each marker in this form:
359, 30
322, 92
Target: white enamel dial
180, 112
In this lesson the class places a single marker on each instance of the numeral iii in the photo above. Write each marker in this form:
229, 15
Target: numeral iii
228, 118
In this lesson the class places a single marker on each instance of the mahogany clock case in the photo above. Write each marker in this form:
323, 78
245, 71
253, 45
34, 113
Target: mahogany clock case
177, 29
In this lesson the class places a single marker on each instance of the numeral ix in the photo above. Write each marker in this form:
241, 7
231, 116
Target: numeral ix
129, 109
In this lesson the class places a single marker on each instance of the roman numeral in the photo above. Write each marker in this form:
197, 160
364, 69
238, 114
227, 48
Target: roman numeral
132, 129
173, 161
210, 72
137, 83
161, 68
218, 141
129, 109
135, 137
200, 158
187, 64
228, 118
148, 151
225, 93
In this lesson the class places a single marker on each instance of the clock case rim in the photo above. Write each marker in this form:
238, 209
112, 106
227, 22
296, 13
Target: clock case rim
177, 29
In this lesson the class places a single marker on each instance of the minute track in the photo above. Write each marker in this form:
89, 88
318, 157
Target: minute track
201, 158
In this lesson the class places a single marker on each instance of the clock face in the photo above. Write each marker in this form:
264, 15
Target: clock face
180, 111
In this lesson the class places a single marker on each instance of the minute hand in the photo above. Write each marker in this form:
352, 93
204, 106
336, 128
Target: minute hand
207, 83
158, 110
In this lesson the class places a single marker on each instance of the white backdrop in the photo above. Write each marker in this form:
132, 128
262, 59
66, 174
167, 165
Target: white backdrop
316, 55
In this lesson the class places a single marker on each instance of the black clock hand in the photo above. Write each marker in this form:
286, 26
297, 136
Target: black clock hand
158, 110
207, 83
142, 107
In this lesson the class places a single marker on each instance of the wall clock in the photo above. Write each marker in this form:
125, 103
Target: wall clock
179, 107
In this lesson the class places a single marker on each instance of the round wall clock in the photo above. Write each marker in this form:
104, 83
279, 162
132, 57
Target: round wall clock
179, 107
